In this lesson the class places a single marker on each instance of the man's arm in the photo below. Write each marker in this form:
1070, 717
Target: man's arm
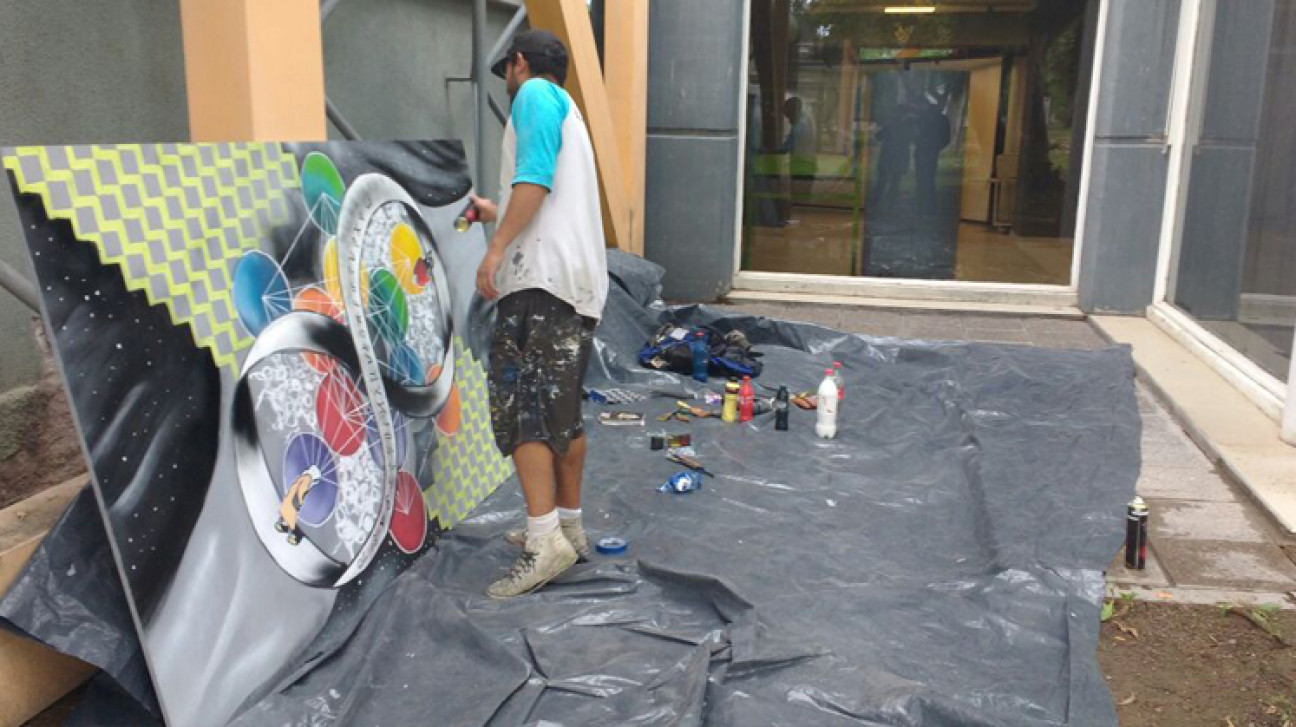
522, 208
537, 117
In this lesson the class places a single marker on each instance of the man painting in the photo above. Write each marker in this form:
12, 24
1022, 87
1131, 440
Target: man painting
547, 267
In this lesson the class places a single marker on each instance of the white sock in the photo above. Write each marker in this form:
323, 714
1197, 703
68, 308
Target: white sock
569, 515
538, 527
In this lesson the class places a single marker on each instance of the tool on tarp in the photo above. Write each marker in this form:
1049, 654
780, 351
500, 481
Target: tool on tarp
613, 396
686, 456
620, 418
684, 412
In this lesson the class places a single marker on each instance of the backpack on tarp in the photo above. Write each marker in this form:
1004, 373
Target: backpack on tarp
730, 354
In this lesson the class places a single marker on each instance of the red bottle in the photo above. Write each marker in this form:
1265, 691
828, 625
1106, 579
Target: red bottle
746, 399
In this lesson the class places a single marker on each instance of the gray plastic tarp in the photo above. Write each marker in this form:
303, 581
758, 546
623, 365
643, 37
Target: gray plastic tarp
939, 563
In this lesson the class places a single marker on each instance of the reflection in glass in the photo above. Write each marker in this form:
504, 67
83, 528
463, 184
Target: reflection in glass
941, 146
1235, 271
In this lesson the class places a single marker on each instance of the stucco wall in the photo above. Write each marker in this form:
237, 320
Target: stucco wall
79, 72
387, 64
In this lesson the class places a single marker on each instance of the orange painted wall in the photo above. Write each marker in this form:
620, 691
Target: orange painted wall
254, 70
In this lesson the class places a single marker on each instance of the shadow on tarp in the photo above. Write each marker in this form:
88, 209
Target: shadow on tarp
938, 563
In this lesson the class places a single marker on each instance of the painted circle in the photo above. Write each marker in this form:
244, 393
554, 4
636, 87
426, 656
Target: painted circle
322, 189
400, 426
315, 300
388, 308
303, 452
260, 291
333, 276
404, 366
340, 413
409, 521
423, 273
407, 257
447, 422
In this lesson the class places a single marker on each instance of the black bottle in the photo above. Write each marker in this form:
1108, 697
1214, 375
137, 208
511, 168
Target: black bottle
781, 409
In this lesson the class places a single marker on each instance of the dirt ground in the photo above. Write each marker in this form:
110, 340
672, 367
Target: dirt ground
1170, 665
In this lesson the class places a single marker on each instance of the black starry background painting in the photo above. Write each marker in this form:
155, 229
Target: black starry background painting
146, 399
435, 173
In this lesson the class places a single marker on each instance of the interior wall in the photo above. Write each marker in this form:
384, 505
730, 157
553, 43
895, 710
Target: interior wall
80, 72
978, 149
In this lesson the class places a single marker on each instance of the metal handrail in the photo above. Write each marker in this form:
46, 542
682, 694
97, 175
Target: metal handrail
18, 284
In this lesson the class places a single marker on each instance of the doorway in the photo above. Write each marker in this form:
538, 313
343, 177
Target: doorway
937, 145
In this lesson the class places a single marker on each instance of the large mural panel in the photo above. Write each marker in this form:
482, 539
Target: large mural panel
274, 356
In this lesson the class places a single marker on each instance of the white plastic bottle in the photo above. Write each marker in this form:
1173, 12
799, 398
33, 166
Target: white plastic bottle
826, 405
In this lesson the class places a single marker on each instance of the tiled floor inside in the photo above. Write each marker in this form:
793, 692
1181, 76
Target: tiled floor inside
1205, 532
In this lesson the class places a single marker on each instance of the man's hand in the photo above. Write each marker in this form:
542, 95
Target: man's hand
487, 211
486, 273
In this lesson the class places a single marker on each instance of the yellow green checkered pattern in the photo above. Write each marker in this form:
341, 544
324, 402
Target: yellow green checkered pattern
175, 218
467, 467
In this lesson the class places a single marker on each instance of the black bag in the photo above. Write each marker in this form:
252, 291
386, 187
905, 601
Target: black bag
730, 354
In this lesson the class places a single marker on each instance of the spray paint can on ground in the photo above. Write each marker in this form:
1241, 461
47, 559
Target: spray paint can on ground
781, 410
729, 411
1136, 534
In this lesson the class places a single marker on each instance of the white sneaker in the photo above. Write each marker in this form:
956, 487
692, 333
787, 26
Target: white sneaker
573, 529
542, 560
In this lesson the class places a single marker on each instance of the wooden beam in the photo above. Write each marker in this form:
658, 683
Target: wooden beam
625, 72
254, 70
570, 21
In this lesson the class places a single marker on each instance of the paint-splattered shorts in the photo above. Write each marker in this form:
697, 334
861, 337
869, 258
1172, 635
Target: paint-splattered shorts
537, 361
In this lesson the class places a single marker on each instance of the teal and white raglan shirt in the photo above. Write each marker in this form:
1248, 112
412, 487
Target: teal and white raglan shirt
562, 250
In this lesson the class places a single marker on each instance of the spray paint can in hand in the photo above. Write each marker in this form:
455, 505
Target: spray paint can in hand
826, 406
781, 409
729, 410
467, 216
1136, 534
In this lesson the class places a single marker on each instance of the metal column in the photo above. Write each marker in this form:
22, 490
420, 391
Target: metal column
480, 72
18, 284
1289, 408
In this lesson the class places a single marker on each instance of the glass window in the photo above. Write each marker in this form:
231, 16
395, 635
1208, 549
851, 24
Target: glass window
1235, 270
941, 144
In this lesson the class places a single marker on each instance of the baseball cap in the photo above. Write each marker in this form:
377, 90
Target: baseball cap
532, 42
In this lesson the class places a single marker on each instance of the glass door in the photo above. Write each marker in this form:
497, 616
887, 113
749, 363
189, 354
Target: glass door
942, 143
1233, 271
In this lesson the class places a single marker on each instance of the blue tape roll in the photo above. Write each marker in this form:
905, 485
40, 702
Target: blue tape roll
611, 546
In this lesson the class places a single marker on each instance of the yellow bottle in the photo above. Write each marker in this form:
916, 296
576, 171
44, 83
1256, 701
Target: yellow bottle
729, 413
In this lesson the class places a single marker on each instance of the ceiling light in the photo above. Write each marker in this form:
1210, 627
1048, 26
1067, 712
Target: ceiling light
909, 9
